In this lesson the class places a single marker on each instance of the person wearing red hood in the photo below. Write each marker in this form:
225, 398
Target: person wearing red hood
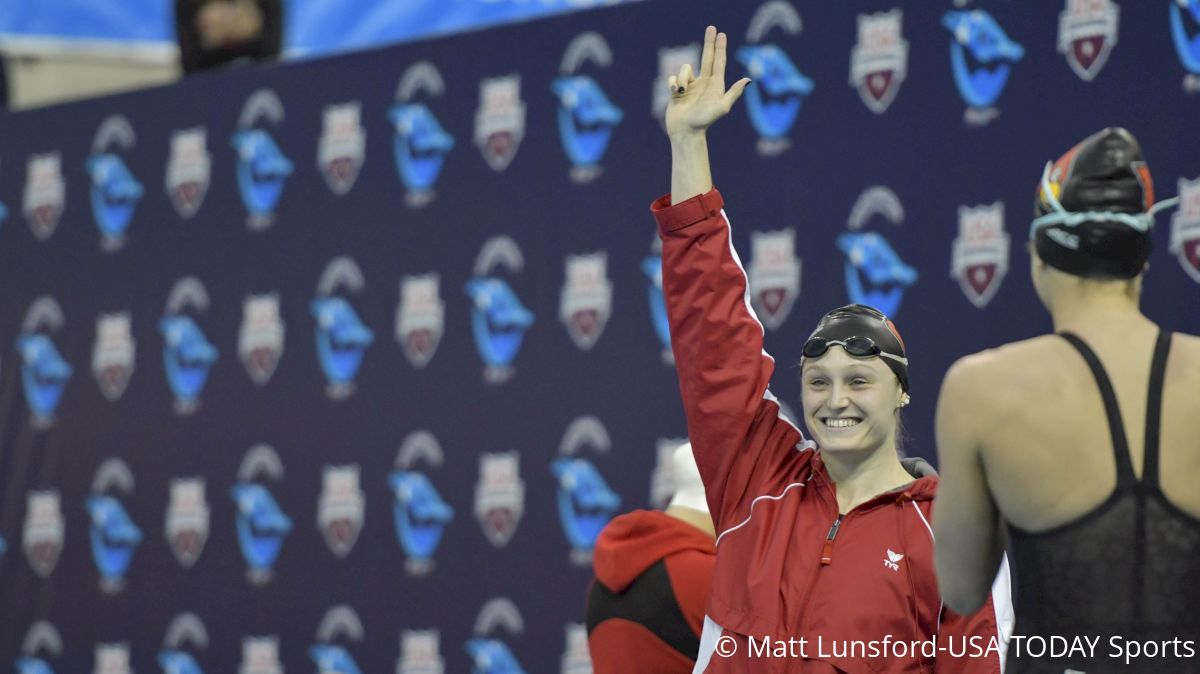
653, 569
825, 557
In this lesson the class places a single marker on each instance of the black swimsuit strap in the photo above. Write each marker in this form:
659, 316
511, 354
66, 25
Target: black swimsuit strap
1158, 371
1125, 475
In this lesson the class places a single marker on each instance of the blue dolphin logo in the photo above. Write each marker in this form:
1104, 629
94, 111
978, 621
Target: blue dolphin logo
886, 274
981, 56
3, 213
261, 170
44, 373
652, 268
419, 513
586, 119
779, 89
333, 660
114, 194
188, 356
3, 547
491, 656
261, 525
498, 320
33, 666
419, 146
1185, 31
178, 662
113, 535
342, 338
585, 503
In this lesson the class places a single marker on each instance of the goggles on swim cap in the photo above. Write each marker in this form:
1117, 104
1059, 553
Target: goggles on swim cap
1141, 222
863, 332
859, 347
1095, 208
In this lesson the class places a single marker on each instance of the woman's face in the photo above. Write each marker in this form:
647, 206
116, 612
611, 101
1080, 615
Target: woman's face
849, 403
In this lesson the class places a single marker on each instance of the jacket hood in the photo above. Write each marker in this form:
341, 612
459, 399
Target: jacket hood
633, 542
922, 488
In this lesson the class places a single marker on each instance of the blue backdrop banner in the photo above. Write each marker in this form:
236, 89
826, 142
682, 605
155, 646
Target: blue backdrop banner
341, 365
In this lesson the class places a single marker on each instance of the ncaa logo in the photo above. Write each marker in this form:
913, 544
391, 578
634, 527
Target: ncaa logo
45, 193
498, 319
340, 623
499, 496
340, 509
112, 659
260, 339
418, 512
115, 192
585, 502
42, 535
500, 120
189, 170
576, 658
261, 523
778, 90
260, 655
185, 631
586, 118
113, 354
670, 60
342, 145
875, 274
774, 275
979, 258
1185, 32
879, 61
662, 479
342, 337
981, 58
262, 167
652, 268
420, 318
585, 302
44, 372
420, 653
489, 652
419, 144
187, 354
187, 519
42, 643
113, 535
1087, 32
1185, 228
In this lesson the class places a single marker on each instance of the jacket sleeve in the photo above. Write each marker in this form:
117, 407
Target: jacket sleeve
982, 636
743, 447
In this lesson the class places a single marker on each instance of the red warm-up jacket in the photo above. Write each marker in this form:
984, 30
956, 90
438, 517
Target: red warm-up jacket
646, 607
789, 566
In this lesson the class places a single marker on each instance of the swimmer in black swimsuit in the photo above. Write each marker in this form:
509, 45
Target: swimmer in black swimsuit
1082, 448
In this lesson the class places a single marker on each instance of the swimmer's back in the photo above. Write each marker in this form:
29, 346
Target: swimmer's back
1048, 451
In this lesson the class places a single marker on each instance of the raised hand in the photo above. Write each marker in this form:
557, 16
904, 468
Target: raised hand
698, 101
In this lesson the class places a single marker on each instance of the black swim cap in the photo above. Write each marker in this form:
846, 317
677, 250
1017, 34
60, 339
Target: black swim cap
1092, 215
859, 320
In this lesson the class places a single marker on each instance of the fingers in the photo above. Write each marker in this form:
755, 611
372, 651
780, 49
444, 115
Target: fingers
706, 57
679, 83
735, 92
718, 66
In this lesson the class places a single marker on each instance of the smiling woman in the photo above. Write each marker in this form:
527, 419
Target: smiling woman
828, 545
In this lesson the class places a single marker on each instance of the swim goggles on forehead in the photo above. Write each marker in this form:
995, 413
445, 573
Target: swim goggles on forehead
859, 347
1059, 215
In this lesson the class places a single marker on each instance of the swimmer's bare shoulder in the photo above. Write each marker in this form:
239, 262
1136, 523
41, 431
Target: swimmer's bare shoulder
1007, 379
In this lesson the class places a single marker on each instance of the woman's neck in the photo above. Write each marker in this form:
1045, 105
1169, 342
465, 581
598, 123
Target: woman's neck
861, 476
